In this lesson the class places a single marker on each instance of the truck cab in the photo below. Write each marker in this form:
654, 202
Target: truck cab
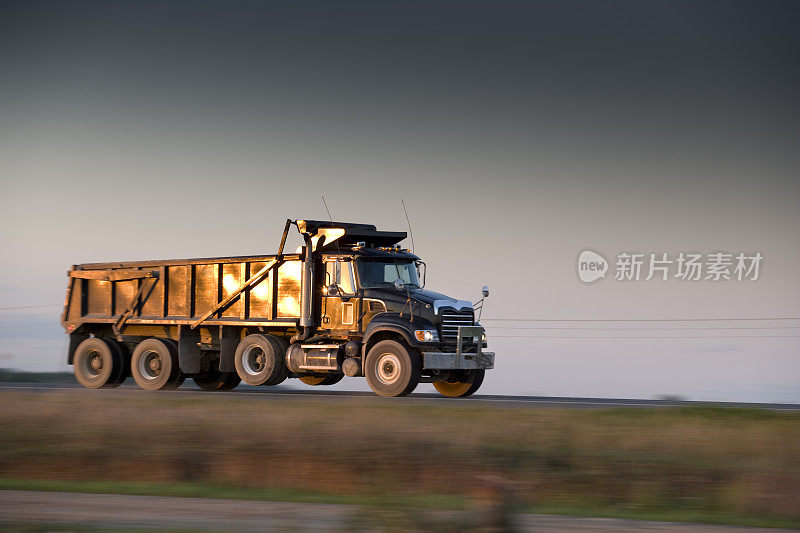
372, 292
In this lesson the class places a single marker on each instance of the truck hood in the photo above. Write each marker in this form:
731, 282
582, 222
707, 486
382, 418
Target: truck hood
436, 300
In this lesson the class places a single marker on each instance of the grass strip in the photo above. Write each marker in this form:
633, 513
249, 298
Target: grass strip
415, 502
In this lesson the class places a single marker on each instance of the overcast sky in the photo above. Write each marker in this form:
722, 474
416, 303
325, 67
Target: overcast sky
518, 133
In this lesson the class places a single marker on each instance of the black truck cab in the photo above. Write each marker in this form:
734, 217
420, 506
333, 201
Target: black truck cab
372, 290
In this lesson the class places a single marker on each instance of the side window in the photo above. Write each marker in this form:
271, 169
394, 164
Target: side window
340, 273
331, 273
346, 279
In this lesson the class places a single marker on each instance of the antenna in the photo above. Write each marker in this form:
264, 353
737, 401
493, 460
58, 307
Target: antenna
409, 225
331, 219
328, 210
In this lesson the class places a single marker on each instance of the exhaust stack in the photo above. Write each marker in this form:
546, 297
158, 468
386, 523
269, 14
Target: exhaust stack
307, 284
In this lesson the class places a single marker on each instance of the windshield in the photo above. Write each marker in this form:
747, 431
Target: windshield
383, 272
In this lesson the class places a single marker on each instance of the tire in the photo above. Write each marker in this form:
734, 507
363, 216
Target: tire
154, 365
125, 358
98, 364
330, 379
391, 369
216, 380
468, 383
232, 380
261, 360
283, 347
176, 382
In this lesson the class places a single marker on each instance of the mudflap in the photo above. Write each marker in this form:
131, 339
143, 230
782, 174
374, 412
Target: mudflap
228, 341
189, 353
74, 340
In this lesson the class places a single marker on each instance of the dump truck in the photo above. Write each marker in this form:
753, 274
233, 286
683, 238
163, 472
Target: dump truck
350, 302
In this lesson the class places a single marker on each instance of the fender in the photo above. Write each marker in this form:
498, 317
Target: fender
397, 324
74, 340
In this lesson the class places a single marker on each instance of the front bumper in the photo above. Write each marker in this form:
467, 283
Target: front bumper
450, 361
460, 360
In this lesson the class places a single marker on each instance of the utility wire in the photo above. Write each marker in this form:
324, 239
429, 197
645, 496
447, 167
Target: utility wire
31, 325
676, 337
632, 319
14, 308
572, 328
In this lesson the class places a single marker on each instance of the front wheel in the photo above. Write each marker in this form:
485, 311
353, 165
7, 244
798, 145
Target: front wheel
392, 369
465, 384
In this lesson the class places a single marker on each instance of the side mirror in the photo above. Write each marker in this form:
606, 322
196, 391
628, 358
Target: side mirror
332, 290
422, 271
485, 291
399, 285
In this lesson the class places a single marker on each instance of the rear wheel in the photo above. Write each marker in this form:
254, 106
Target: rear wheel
216, 380
175, 383
125, 357
99, 363
261, 360
154, 365
330, 379
282, 347
465, 384
232, 379
392, 369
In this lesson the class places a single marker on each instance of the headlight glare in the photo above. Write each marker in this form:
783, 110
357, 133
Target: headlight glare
424, 335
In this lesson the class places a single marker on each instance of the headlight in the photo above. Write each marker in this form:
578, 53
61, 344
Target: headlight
425, 335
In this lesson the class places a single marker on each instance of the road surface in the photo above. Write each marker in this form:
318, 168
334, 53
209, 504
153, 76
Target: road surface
279, 392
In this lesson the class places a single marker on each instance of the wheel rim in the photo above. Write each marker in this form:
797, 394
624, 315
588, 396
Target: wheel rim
449, 388
94, 363
150, 364
254, 360
456, 389
388, 368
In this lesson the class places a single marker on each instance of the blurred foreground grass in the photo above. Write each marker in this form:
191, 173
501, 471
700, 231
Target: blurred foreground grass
723, 465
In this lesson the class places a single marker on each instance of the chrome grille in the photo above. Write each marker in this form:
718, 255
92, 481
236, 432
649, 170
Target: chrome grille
450, 322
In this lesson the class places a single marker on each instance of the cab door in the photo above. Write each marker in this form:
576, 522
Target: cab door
340, 310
